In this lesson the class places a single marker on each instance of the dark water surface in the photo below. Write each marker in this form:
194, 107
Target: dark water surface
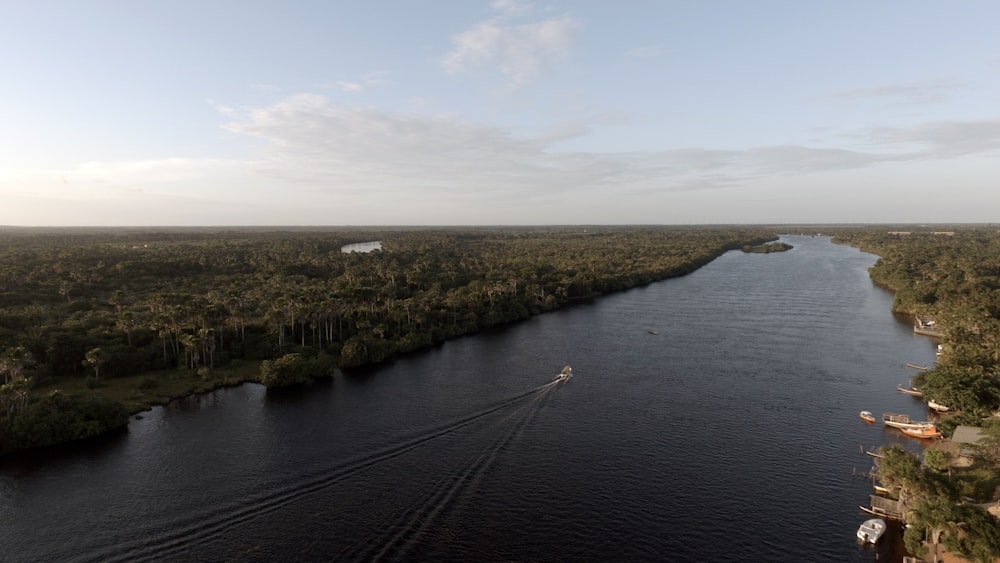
730, 435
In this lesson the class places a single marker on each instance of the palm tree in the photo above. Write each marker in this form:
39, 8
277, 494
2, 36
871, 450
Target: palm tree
96, 357
936, 515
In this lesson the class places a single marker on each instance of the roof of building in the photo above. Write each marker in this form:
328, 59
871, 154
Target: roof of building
967, 435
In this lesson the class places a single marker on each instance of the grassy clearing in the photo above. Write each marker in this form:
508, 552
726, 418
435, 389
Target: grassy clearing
146, 390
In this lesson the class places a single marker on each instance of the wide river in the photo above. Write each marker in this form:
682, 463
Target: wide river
712, 417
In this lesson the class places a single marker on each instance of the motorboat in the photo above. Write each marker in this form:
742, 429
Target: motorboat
927, 432
867, 416
871, 530
566, 373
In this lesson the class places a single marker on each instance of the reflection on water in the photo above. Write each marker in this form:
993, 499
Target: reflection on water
361, 247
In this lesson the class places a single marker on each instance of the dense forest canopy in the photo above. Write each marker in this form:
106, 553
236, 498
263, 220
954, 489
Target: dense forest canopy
952, 277
101, 304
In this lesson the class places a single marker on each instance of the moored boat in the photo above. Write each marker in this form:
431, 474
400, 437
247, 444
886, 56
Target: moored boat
937, 406
927, 327
867, 416
927, 432
910, 391
902, 421
871, 530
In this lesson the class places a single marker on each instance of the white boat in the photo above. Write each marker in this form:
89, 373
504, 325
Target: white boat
902, 421
937, 406
871, 530
566, 373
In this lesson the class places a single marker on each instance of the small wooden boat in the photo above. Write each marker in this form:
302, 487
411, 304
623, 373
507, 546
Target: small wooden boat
871, 530
912, 392
566, 373
915, 366
937, 406
867, 416
927, 432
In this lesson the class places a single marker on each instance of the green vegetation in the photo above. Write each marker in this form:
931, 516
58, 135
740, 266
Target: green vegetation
952, 277
295, 368
140, 317
58, 417
935, 508
766, 248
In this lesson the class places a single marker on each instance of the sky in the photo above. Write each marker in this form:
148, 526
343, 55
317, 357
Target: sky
502, 112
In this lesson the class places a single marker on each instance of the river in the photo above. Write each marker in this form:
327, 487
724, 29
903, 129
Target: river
712, 417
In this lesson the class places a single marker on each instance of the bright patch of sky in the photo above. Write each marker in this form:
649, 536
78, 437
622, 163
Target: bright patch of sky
507, 112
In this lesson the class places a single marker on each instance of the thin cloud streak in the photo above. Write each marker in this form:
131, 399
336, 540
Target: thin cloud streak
917, 93
942, 139
345, 148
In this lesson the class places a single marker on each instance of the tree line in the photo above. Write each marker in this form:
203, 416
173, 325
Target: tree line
955, 280
100, 304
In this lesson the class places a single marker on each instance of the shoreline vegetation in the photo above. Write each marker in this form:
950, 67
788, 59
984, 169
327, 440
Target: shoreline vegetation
948, 498
767, 248
97, 324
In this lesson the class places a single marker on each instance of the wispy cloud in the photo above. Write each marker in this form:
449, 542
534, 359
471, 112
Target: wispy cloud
941, 139
908, 93
349, 148
366, 82
519, 52
345, 158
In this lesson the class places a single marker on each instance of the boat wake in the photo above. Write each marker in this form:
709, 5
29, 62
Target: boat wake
177, 537
412, 525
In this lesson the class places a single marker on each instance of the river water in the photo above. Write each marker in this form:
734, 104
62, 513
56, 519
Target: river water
712, 417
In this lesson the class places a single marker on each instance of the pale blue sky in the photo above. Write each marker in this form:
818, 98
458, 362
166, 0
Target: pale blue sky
458, 112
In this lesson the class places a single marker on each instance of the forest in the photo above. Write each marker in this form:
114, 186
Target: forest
99, 323
953, 277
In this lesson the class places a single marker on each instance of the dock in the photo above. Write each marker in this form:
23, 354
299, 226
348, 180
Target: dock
927, 327
884, 508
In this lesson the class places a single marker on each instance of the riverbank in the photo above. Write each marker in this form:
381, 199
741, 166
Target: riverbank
361, 309
144, 391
